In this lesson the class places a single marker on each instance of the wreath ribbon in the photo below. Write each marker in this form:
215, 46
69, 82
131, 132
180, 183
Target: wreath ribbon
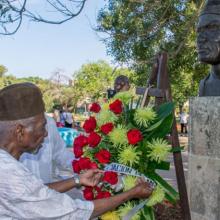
120, 168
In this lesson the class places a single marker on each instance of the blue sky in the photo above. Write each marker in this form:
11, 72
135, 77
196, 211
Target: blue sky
39, 49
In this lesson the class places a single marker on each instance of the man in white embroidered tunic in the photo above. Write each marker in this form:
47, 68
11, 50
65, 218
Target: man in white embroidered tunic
52, 156
22, 194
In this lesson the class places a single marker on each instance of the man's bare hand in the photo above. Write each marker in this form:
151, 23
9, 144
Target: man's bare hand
91, 177
142, 190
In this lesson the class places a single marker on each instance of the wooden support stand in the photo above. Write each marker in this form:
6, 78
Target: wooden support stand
162, 93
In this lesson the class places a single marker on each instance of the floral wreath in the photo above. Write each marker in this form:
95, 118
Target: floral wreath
118, 132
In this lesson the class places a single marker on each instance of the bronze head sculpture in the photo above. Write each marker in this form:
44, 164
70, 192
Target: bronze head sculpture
208, 46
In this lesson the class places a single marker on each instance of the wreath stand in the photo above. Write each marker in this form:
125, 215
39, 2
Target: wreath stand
162, 93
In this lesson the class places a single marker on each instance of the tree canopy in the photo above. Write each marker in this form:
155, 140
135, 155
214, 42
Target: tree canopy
91, 82
96, 77
136, 30
3, 70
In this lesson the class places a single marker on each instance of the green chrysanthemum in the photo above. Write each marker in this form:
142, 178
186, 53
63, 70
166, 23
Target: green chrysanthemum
157, 196
123, 210
125, 97
87, 152
129, 182
118, 136
159, 149
129, 156
105, 106
144, 116
105, 116
110, 216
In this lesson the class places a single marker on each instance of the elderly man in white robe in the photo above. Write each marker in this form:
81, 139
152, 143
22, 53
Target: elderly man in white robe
51, 158
22, 194
53, 161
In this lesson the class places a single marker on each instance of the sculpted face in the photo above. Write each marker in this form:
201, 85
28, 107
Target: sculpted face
208, 39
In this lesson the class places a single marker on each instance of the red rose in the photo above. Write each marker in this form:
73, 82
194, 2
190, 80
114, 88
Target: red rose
107, 128
110, 177
103, 156
89, 125
76, 166
95, 107
94, 139
84, 163
93, 165
116, 107
103, 194
134, 136
98, 189
88, 193
80, 141
78, 152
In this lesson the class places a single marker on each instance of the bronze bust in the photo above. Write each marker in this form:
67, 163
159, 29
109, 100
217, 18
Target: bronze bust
208, 46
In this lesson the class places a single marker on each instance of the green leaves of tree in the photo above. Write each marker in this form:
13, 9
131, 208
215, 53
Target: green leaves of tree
137, 30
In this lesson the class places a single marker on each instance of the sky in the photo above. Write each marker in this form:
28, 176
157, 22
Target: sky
39, 49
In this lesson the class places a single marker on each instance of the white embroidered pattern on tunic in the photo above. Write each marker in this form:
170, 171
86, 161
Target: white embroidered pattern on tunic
23, 196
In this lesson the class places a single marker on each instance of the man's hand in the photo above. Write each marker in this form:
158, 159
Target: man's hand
142, 190
91, 177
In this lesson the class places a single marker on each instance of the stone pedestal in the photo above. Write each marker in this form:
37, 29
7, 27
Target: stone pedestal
204, 158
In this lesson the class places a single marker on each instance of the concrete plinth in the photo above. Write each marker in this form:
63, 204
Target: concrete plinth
204, 158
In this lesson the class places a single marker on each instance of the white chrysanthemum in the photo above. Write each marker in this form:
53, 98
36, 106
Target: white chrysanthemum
144, 116
157, 196
129, 156
119, 136
159, 149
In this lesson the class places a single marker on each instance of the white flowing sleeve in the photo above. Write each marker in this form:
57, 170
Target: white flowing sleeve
23, 196
61, 156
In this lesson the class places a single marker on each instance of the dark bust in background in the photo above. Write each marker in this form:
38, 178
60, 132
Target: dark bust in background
208, 46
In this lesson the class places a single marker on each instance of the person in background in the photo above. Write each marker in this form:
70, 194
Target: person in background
68, 118
62, 118
121, 84
22, 194
183, 121
56, 116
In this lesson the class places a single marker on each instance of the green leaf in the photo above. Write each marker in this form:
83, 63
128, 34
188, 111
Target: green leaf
153, 165
162, 130
163, 165
154, 126
166, 186
165, 109
147, 213
170, 198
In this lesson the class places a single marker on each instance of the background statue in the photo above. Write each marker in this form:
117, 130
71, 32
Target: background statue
208, 46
